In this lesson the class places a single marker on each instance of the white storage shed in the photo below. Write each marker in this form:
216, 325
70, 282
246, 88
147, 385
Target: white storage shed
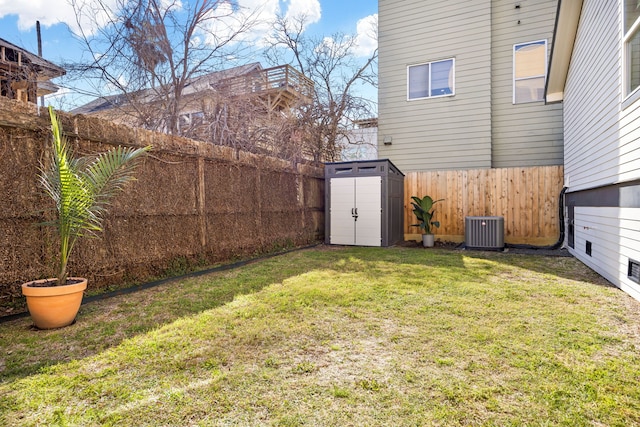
364, 203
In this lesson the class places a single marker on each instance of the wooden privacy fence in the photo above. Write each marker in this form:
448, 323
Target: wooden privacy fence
527, 198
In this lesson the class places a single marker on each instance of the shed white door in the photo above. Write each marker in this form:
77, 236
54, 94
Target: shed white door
356, 211
369, 211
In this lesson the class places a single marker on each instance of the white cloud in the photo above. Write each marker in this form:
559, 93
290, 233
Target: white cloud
367, 35
47, 12
112, 88
227, 23
51, 12
261, 14
309, 9
361, 44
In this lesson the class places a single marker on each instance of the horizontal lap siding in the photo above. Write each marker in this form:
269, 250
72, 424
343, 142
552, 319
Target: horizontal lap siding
522, 134
614, 234
437, 133
602, 144
479, 127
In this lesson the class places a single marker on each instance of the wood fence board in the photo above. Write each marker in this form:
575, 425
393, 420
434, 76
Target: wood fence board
477, 201
527, 198
530, 214
517, 195
451, 209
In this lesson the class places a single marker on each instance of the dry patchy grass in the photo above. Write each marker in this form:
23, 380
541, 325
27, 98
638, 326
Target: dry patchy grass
344, 336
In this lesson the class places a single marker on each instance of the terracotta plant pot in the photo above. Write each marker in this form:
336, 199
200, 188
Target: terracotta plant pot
54, 306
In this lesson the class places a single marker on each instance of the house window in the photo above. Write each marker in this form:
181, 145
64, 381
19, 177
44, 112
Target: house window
632, 45
197, 118
529, 71
188, 120
430, 80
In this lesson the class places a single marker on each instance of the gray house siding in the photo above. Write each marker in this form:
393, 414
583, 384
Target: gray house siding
478, 127
522, 134
451, 132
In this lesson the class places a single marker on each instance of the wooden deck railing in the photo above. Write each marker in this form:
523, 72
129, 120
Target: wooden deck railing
283, 78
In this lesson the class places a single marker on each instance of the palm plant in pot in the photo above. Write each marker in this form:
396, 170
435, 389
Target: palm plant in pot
423, 210
81, 189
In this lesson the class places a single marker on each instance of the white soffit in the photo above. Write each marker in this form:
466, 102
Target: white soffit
564, 36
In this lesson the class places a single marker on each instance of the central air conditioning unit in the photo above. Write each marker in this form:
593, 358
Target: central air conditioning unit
484, 232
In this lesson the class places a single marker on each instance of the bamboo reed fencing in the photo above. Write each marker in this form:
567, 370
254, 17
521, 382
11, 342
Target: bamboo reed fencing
193, 204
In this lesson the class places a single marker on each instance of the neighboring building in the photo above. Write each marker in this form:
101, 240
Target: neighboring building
462, 84
361, 142
275, 89
25, 76
595, 72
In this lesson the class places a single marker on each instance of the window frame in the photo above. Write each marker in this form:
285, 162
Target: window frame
429, 96
629, 95
513, 75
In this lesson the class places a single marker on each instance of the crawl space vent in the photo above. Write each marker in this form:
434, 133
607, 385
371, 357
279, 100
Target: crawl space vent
634, 271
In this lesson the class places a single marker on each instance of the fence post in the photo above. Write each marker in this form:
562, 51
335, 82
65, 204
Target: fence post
202, 217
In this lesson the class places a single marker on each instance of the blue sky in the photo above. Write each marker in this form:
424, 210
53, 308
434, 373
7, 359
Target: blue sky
18, 18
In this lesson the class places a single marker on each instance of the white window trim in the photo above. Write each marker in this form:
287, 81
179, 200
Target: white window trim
629, 96
513, 68
453, 79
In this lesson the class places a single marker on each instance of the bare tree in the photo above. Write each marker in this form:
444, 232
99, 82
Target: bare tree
152, 53
148, 52
337, 72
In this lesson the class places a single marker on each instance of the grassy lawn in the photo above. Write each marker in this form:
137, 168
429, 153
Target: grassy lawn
340, 337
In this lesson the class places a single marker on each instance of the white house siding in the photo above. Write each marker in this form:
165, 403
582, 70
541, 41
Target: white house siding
522, 134
602, 148
452, 132
593, 94
614, 234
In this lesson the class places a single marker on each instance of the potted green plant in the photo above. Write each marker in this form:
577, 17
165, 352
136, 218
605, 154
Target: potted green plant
81, 189
423, 210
